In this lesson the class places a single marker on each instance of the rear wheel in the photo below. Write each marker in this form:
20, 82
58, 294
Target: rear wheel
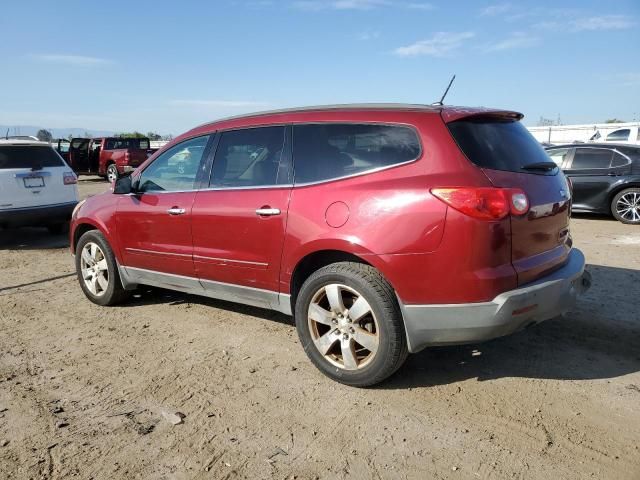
350, 325
112, 173
625, 206
98, 271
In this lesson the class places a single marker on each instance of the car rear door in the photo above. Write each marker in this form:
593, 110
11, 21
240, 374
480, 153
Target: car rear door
239, 221
79, 155
511, 158
154, 224
591, 174
33, 175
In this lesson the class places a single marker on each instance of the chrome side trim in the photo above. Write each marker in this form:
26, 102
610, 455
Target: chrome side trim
228, 260
33, 173
132, 276
155, 252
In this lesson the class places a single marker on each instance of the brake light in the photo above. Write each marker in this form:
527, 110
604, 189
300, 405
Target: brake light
69, 178
485, 203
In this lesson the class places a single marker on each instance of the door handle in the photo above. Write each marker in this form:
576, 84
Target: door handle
267, 212
176, 211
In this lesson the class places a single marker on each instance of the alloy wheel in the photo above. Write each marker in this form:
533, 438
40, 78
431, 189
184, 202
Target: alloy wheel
628, 207
343, 327
112, 173
94, 269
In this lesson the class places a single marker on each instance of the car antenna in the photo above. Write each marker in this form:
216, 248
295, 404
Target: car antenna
441, 102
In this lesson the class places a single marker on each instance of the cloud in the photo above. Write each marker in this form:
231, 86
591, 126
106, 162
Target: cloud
603, 22
217, 103
583, 24
515, 40
496, 9
74, 60
628, 79
439, 45
366, 36
316, 5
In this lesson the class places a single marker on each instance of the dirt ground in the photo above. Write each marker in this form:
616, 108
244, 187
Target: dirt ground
85, 390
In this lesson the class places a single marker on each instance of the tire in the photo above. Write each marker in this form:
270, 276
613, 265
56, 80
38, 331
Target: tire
101, 264
112, 173
355, 304
625, 206
58, 228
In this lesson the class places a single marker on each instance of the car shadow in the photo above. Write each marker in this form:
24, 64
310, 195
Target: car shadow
32, 238
599, 339
593, 216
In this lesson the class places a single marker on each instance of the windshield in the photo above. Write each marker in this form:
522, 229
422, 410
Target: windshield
29, 156
497, 144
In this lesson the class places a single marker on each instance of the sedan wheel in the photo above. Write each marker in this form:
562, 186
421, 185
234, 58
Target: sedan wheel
626, 206
343, 327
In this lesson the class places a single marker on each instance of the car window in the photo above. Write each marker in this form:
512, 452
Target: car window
176, 169
497, 144
250, 158
29, 156
619, 135
559, 155
619, 160
591, 158
329, 151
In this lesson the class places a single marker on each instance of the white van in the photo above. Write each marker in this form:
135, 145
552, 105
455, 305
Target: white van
37, 187
627, 134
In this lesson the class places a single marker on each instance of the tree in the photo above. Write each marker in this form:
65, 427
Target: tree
614, 120
134, 134
44, 135
154, 136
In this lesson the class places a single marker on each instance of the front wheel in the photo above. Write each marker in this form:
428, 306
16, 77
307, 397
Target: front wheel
112, 173
97, 270
625, 206
349, 323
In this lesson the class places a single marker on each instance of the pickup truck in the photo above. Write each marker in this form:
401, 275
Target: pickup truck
107, 157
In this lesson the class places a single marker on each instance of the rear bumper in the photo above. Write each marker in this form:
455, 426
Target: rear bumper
37, 216
546, 298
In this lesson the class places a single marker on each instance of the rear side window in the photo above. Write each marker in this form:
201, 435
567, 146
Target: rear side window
250, 158
558, 155
619, 135
127, 143
329, 151
497, 144
586, 158
29, 156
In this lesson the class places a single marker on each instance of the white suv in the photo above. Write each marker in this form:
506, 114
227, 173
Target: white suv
37, 187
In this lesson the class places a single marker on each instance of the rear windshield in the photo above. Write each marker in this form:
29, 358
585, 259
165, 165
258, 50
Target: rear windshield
29, 156
497, 144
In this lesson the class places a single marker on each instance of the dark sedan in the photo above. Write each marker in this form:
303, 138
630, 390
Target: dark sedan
605, 177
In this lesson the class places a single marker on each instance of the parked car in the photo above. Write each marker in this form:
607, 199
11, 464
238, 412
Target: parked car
605, 178
383, 229
628, 134
108, 157
37, 187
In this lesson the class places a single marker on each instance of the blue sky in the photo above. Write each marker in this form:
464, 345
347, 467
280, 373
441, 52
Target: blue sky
168, 66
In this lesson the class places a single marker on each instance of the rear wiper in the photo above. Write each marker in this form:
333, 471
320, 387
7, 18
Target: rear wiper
540, 166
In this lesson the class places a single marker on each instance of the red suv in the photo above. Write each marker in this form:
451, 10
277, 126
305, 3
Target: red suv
383, 229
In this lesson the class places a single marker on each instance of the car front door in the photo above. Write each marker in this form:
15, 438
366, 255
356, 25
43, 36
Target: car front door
591, 174
154, 223
239, 221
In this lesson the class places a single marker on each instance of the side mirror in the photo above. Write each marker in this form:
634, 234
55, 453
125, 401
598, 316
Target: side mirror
123, 186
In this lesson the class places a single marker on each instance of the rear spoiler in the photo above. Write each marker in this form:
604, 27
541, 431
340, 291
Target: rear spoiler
451, 114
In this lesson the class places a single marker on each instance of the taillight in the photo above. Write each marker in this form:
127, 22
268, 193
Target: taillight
485, 203
69, 178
